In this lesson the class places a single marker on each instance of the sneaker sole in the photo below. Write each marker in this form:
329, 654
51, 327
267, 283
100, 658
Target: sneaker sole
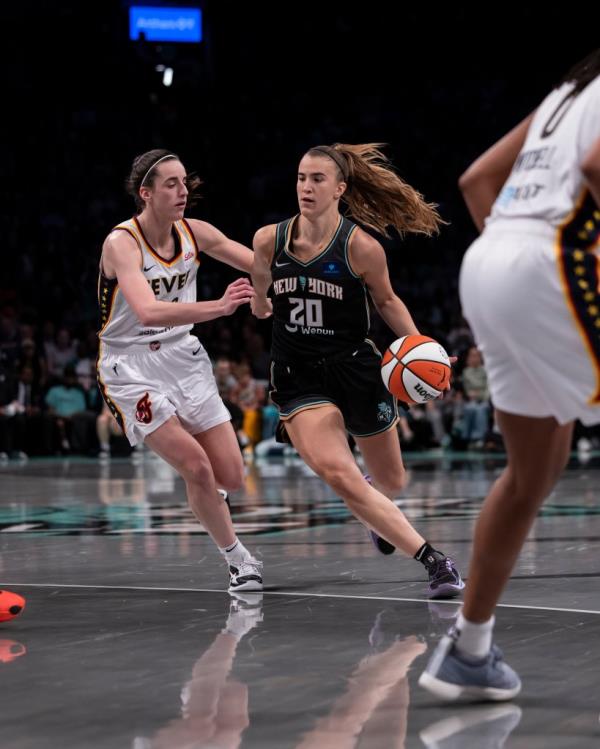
250, 585
446, 590
452, 692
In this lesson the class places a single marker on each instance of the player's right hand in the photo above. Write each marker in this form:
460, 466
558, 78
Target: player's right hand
261, 308
237, 293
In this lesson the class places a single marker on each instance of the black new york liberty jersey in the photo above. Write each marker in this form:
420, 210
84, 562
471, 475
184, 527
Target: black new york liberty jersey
320, 308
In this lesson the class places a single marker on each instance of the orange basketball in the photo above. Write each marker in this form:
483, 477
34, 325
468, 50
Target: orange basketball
11, 605
415, 369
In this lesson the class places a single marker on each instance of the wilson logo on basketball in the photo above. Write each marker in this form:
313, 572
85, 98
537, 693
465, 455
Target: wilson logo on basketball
143, 412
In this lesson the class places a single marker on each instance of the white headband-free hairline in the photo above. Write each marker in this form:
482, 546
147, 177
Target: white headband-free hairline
162, 158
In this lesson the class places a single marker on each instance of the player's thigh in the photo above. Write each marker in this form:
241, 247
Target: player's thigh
179, 448
222, 448
319, 435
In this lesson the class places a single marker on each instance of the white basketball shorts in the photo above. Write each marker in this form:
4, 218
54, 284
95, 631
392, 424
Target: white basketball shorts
539, 337
147, 385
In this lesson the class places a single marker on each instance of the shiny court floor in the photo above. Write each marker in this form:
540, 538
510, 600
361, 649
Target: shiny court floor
130, 640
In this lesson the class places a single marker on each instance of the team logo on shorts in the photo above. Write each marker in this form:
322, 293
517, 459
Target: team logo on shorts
384, 411
143, 410
154, 346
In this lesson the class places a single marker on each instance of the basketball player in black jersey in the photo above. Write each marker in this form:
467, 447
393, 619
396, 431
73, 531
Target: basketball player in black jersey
325, 374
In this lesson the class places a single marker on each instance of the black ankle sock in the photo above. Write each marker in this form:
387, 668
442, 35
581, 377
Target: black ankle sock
427, 555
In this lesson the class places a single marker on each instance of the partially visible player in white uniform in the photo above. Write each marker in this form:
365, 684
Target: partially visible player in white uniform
154, 375
529, 288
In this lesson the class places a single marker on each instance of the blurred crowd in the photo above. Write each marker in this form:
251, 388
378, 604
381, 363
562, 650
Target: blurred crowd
50, 403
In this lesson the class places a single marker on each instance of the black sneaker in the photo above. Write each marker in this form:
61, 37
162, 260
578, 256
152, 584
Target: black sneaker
444, 579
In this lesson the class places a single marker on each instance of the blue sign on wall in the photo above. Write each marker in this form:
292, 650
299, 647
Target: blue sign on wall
165, 24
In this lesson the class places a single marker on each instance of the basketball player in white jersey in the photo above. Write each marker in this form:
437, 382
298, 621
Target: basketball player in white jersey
529, 289
154, 375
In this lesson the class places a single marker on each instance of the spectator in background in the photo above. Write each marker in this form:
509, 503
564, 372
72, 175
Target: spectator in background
476, 410
460, 338
30, 404
10, 425
226, 381
9, 335
28, 356
249, 395
106, 426
66, 402
258, 357
60, 352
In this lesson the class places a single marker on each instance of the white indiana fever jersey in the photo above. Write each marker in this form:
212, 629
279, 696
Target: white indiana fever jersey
546, 182
171, 281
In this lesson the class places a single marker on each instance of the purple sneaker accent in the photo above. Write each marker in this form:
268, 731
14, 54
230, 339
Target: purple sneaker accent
444, 579
382, 546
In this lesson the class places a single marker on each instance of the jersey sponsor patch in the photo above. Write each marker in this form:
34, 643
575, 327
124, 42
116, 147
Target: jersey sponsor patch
331, 268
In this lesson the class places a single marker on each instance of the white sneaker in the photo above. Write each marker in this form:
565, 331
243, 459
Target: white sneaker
245, 612
246, 576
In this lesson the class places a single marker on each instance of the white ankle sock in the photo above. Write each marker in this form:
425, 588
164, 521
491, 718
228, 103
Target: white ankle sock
236, 553
474, 639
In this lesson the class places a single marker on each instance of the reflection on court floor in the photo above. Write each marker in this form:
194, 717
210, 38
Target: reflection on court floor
129, 638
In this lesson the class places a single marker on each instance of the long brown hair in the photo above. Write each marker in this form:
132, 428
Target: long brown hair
376, 196
583, 72
145, 168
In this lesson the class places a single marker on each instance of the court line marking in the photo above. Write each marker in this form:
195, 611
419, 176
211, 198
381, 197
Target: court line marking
289, 594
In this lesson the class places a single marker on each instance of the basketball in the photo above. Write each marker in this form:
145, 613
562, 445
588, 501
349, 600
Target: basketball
415, 368
11, 605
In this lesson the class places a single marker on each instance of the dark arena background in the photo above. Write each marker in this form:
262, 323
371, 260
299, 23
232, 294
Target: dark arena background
129, 637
